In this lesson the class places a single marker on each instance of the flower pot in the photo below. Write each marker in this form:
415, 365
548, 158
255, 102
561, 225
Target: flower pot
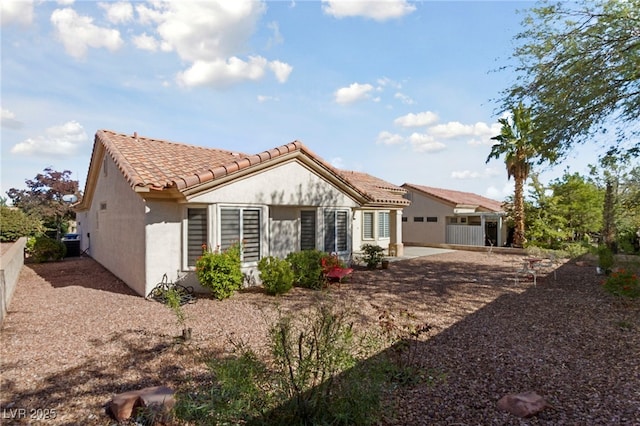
385, 264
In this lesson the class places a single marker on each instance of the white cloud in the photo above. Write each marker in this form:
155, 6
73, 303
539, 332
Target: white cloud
281, 70
386, 81
388, 138
500, 194
379, 10
221, 73
425, 143
404, 98
480, 132
118, 13
16, 12
420, 119
468, 174
263, 98
204, 31
66, 139
9, 120
276, 38
78, 33
355, 92
210, 36
146, 42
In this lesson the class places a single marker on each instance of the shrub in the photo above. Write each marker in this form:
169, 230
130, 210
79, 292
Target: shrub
373, 255
276, 275
46, 249
307, 268
220, 272
605, 258
319, 376
15, 224
623, 283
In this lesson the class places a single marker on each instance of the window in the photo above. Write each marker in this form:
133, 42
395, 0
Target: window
383, 224
335, 231
307, 230
463, 220
103, 206
432, 218
241, 225
367, 225
196, 234
404, 218
418, 219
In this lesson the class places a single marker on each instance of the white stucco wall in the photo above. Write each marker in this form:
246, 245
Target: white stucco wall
425, 232
115, 223
358, 231
290, 184
163, 232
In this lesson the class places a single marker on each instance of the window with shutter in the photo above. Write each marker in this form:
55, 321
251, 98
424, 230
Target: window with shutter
336, 231
241, 225
196, 234
383, 224
307, 230
367, 225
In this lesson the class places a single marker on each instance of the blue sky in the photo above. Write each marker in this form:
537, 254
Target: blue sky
401, 90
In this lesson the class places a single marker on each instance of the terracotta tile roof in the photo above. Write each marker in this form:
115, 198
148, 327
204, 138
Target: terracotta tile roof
458, 197
376, 189
159, 164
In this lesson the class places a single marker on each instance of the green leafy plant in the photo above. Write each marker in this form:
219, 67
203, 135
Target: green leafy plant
307, 268
276, 275
373, 255
605, 258
321, 373
47, 249
220, 271
15, 224
623, 283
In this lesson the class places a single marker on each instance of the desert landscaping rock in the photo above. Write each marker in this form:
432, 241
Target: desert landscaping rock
159, 398
525, 404
75, 335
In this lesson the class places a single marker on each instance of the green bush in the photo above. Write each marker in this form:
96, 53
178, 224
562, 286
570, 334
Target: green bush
320, 375
605, 258
46, 249
623, 283
373, 255
307, 268
220, 271
15, 224
276, 275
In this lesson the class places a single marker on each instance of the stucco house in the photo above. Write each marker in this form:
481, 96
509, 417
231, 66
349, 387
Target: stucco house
439, 216
149, 205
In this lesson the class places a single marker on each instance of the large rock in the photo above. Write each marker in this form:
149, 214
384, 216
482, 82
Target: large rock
525, 404
158, 398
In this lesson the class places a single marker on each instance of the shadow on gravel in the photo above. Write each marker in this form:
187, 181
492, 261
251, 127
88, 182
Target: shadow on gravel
81, 272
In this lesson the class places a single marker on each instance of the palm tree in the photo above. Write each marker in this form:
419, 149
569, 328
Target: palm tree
517, 143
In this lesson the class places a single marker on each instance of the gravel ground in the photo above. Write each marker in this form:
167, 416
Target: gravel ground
75, 335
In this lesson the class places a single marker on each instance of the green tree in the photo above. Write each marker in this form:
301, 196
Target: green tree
517, 143
578, 66
44, 198
580, 203
545, 226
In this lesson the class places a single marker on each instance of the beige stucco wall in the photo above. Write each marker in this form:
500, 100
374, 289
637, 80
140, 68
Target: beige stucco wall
358, 231
116, 225
425, 232
291, 184
11, 263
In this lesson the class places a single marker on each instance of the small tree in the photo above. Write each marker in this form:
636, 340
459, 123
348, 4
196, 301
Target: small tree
44, 198
15, 224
